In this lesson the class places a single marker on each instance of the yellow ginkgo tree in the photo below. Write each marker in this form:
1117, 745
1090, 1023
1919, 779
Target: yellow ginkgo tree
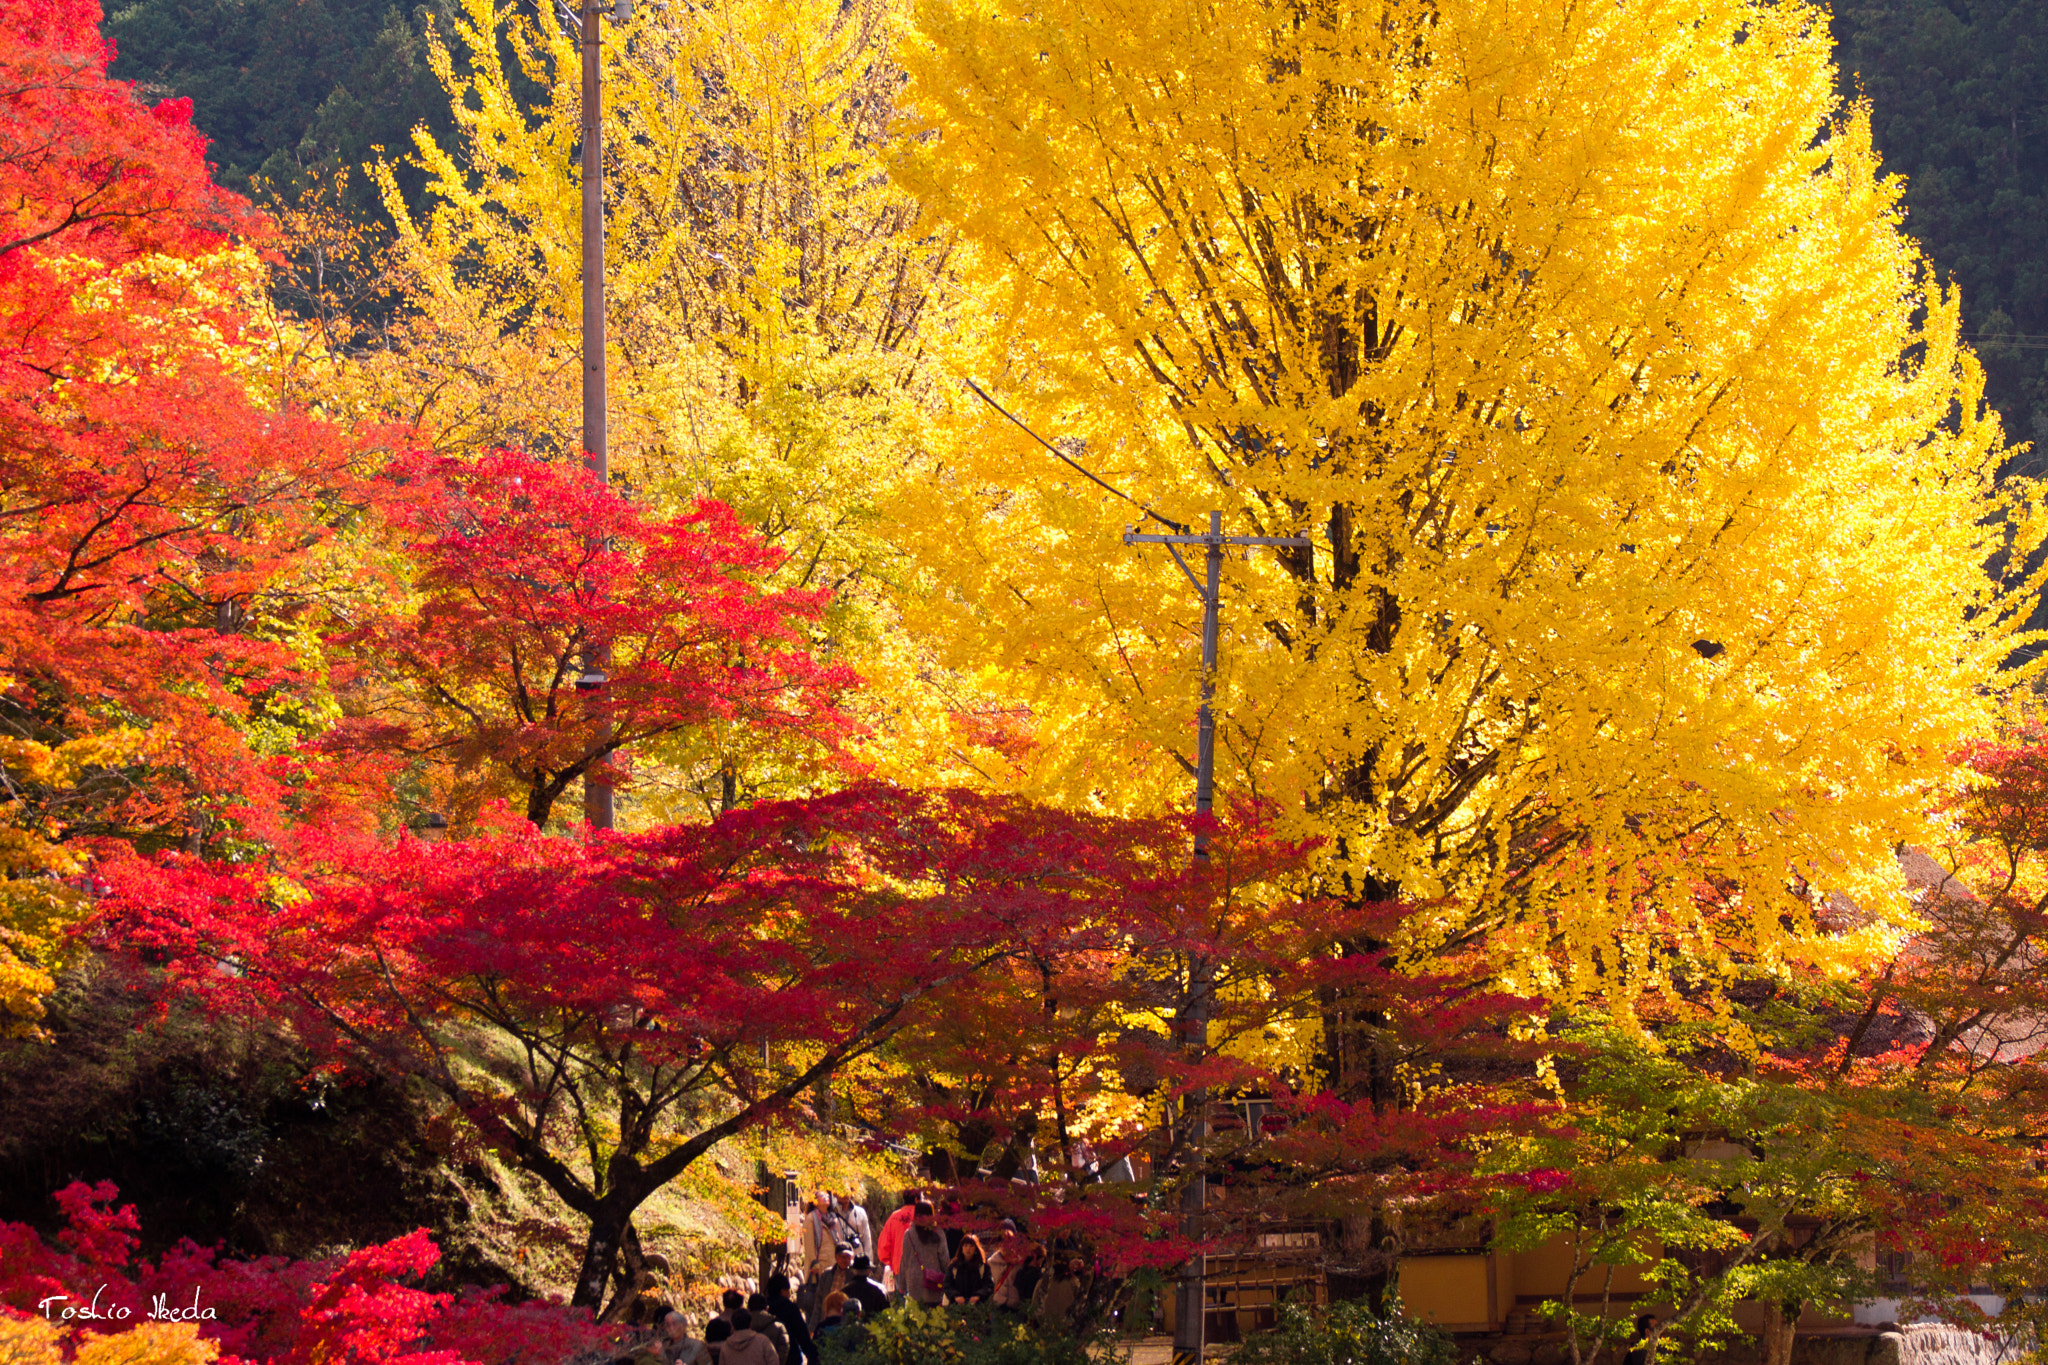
771, 296
1649, 487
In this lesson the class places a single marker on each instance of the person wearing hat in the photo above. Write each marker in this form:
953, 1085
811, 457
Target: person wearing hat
861, 1287
834, 1281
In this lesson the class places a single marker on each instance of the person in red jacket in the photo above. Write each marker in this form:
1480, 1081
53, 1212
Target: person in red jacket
889, 1245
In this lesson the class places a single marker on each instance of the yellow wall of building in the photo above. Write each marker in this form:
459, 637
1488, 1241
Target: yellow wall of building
1542, 1274
1475, 1293
1456, 1292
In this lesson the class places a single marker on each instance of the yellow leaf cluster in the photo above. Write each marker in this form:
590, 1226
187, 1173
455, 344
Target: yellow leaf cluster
32, 1341
1649, 483
36, 906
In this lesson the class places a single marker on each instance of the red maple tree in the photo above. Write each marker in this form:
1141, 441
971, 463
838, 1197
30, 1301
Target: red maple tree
527, 573
646, 980
82, 158
1071, 1047
1947, 1055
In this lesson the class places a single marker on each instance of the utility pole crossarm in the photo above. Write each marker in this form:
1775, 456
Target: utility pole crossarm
1134, 538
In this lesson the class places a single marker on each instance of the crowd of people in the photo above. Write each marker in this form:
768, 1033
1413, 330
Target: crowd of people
926, 1253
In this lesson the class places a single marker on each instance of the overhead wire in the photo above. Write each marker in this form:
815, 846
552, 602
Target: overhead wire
1178, 528
2008, 341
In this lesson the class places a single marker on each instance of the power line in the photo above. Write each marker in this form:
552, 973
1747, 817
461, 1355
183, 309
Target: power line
1069, 461
2009, 341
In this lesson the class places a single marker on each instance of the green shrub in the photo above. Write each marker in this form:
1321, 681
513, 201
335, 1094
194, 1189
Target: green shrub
910, 1335
1346, 1334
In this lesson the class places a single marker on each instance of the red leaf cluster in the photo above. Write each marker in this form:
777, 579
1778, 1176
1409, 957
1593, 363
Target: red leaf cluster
796, 920
527, 572
360, 1309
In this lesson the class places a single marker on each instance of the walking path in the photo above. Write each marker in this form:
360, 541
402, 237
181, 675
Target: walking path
1159, 1351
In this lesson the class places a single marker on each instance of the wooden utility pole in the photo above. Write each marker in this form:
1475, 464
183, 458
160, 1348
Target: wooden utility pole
1191, 1025
597, 795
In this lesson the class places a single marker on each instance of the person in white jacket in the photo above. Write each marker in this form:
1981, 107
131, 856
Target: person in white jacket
824, 1230
855, 1219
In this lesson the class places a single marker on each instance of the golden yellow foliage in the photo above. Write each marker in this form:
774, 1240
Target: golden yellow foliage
33, 1341
150, 1343
29, 1341
1649, 483
822, 1161
36, 906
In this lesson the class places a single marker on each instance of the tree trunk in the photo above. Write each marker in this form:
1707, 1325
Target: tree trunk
625, 1273
1571, 1292
1780, 1320
608, 1226
1359, 1064
540, 800
974, 1135
1606, 1306
824, 1104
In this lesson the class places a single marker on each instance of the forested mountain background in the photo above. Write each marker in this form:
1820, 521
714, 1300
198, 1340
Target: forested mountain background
1959, 91
286, 88
1959, 98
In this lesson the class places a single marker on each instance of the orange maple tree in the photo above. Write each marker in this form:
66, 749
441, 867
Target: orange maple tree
155, 503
